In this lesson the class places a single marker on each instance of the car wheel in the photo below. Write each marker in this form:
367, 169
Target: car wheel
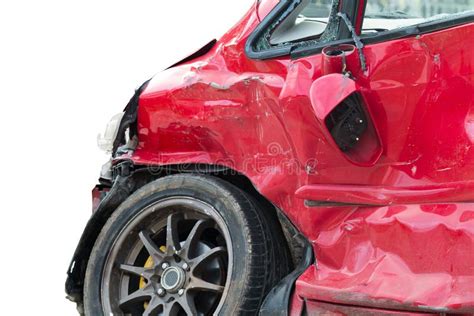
185, 245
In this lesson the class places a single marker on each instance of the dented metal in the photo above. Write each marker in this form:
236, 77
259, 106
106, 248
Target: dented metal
391, 223
402, 257
225, 109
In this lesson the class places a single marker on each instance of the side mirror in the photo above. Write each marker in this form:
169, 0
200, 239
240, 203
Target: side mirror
340, 59
341, 108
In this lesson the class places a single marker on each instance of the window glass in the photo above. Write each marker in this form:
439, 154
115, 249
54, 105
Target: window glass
308, 21
382, 15
317, 9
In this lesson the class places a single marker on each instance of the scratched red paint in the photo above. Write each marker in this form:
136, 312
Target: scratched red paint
414, 248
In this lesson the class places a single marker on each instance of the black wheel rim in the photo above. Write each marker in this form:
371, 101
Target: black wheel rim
172, 258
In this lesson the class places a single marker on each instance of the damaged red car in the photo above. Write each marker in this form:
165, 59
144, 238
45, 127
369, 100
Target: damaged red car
318, 159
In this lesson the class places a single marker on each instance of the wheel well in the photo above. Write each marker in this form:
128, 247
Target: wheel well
130, 178
292, 235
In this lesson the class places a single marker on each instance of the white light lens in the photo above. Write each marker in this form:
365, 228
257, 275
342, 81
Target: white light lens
106, 141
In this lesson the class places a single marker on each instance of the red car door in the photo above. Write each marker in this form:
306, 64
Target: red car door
389, 215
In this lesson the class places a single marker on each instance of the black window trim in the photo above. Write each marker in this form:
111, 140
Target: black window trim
419, 29
281, 11
405, 32
296, 52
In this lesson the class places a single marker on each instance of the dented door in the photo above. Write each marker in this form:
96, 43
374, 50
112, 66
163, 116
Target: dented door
398, 233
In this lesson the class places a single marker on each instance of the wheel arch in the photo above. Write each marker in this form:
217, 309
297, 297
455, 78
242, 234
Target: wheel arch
132, 177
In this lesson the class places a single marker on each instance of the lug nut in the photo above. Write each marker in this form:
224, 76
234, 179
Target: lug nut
181, 292
186, 266
161, 292
164, 265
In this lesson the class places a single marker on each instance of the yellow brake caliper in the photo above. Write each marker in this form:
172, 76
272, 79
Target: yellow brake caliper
148, 264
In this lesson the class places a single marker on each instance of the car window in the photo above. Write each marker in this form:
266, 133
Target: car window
382, 15
308, 21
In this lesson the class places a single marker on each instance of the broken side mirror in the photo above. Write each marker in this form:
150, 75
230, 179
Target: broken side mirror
342, 59
346, 121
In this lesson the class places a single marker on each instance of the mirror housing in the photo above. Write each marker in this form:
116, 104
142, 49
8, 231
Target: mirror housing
345, 118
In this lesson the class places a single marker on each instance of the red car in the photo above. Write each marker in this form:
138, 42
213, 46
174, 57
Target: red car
317, 159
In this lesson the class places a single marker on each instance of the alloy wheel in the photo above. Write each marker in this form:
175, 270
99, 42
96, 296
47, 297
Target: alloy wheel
172, 259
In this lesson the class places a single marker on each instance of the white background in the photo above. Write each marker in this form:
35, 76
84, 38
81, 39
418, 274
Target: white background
65, 68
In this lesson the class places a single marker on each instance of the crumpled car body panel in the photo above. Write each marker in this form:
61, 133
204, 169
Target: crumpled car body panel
396, 235
394, 257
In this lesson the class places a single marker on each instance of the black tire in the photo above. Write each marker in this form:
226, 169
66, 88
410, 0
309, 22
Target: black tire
260, 257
